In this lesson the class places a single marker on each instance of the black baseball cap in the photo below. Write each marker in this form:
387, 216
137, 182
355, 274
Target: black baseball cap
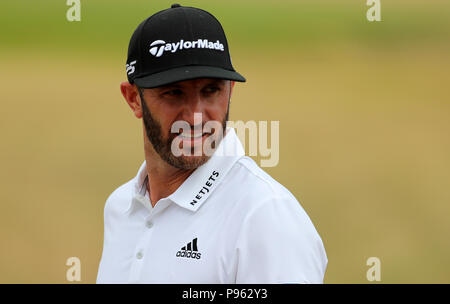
176, 44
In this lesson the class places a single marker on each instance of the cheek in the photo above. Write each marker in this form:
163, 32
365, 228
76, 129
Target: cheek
166, 126
164, 116
219, 110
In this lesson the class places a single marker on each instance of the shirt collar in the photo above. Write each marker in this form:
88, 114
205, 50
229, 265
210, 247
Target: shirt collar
196, 189
139, 190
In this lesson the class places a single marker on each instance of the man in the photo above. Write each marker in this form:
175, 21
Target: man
198, 215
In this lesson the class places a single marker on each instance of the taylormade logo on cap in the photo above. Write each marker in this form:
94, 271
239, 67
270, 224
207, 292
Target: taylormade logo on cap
158, 47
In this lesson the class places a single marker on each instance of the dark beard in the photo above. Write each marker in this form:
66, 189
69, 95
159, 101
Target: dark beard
154, 134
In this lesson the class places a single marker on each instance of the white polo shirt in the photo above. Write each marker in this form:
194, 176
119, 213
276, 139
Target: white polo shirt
229, 222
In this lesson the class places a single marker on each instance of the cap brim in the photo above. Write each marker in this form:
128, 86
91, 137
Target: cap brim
186, 73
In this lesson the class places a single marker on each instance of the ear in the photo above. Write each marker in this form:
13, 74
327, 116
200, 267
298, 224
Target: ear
131, 95
232, 83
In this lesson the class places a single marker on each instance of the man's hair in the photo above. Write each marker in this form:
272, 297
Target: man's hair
141, 92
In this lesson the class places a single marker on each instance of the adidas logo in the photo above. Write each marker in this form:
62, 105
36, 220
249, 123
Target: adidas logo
189, 251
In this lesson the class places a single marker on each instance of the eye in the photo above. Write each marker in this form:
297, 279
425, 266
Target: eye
211, 89
174, 92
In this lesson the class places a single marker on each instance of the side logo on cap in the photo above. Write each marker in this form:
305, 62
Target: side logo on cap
158, 47
130, 67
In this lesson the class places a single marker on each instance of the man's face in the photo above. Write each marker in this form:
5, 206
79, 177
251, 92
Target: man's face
163, 106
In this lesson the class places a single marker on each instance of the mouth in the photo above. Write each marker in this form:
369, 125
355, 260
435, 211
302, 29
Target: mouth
193, 139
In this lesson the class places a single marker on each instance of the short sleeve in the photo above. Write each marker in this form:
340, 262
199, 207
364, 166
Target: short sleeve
278, 243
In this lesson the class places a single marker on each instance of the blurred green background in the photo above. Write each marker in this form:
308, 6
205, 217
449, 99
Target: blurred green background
364, 127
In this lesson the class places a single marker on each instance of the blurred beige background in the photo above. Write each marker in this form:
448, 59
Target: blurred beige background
364, 127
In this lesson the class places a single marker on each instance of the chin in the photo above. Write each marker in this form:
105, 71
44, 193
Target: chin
188, 162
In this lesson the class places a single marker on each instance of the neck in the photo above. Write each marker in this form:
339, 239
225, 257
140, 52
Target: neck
163, 179
162, 182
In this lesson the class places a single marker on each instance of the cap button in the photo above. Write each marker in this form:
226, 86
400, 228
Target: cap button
175, 5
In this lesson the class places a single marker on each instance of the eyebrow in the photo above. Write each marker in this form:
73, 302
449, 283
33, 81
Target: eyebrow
217, 81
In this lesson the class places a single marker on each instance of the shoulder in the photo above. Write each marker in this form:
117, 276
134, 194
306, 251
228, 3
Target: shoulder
118, 201
256, 198
274, 230
270, 199
258, 187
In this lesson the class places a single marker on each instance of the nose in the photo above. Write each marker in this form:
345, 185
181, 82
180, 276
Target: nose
194, 109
